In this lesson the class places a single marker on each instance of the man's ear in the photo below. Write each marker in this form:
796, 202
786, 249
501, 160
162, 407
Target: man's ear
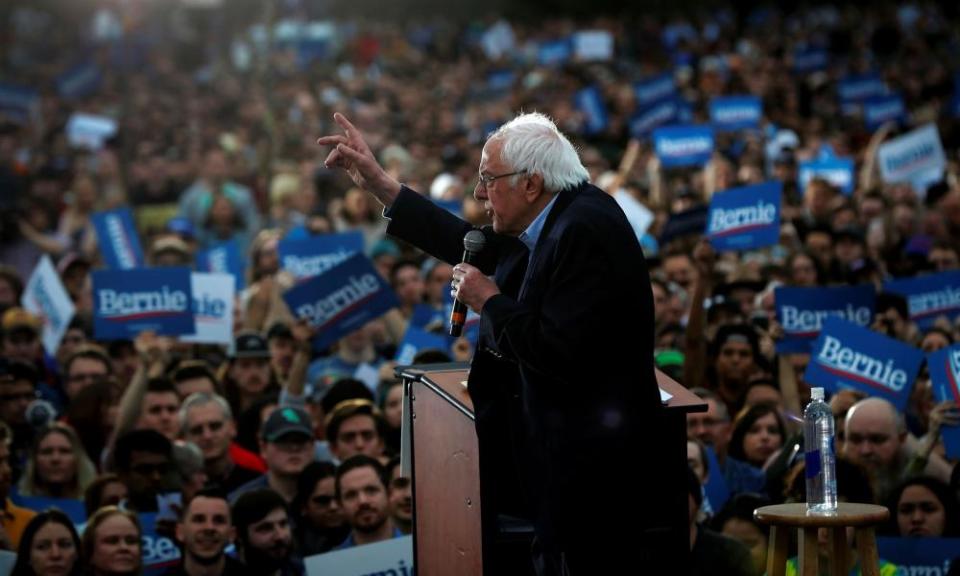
533, 187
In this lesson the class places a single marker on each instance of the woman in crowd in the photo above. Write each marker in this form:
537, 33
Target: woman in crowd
50, 546
320, 524
57, 466
923, 507
758, 432
111, 543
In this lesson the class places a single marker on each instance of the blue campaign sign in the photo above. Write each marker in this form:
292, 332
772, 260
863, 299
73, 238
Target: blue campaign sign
118, 240
927, 556
158, 553
837, 171
80, 81
929, 297
849, 356
590, 102
224, 258
732, 113
654, 89
317, 254
745, 218
859, 87
913, 154
74, 509
128, 302
500, 80
801, 312
554, 52
881, 109
677, 146
944, 367
810, 59
341, 299
19, 103
416, 340
661, 113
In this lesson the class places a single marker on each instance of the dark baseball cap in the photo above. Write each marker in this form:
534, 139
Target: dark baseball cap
286, 421
279, 329
250, 345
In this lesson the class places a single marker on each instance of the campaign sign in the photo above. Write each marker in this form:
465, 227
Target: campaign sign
554, 52
212, 308
46, 297
916, 556
416, 340
394, 556
930, 296
916, 152
74, 509
424, 315
732, 113
317, 254
846, 355
654, 89
661, 113
801, 312
158, 553
79, 82
745, 218
859, 87
128, 302
944, 367
224, 258
882, 109
837, 171
341, 299
590, 102
593, 45
118, 240
678, 146
18, 103
809, 60
89, 130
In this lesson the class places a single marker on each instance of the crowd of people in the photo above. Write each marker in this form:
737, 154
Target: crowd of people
287, 452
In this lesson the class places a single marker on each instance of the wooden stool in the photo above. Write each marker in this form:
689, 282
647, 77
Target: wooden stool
783, 517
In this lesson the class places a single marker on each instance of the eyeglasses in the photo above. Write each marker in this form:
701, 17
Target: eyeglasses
486, 181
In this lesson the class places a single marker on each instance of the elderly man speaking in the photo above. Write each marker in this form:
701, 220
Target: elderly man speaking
563, 379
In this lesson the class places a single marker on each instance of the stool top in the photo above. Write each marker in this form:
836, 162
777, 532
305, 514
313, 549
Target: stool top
848, 514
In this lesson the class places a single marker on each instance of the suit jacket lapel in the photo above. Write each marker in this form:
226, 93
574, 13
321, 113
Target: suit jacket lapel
564, 199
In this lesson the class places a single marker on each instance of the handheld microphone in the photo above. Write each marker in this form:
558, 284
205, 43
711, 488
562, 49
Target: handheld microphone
472, 246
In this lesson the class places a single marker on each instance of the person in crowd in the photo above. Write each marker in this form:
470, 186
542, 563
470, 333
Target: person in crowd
264, 534
249, 376
93, 414
282, 349
143, 460
50, 547
207, 421
400, 492
18, 388
13, 518
392, 408
407, 283
286, 444
355, 427
160, 407
192, 376
85, 366
111, 543
58, 466
710, 552
106, 490
758, 433
320, 524
923, 507
361, 486
735, 520
205, 530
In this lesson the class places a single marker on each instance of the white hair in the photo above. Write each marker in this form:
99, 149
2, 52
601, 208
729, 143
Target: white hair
532, 144
198, 399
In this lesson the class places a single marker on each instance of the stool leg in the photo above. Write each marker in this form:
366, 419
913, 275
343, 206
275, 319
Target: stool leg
838, 551
777, 551
867, 547
809, 555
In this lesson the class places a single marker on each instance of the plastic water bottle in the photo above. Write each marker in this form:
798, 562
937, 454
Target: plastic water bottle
820, 456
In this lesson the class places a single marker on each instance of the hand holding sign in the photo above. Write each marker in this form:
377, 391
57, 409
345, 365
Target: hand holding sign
353, 155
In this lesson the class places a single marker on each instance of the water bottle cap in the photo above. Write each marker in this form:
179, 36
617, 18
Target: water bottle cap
816, 393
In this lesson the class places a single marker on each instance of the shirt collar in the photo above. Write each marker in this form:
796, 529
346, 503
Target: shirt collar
532, 233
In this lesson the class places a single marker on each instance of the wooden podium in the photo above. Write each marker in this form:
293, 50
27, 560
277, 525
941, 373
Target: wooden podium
445, 470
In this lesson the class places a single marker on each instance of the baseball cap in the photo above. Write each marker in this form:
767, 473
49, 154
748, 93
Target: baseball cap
17, 319
286, 421
250, 345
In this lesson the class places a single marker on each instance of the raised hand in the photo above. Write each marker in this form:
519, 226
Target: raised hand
351, 153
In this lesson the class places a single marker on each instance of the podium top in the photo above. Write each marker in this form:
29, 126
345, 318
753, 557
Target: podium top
449, 380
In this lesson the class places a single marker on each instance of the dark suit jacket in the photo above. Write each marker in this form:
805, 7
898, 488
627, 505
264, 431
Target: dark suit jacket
563, 379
